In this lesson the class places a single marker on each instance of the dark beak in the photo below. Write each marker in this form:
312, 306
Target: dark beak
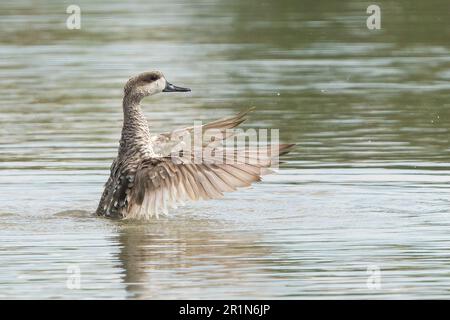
171, 88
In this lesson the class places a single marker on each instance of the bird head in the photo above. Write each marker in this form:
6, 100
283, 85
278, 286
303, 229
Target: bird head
150, 83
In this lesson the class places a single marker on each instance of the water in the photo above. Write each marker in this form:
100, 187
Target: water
365, 193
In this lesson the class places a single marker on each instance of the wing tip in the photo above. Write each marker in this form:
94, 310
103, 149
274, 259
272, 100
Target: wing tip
285, 148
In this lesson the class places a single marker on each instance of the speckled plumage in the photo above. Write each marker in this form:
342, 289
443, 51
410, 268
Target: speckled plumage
145, 181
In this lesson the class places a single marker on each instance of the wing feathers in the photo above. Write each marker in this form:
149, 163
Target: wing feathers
162, 183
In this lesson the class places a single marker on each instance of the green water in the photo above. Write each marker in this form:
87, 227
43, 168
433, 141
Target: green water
367, 186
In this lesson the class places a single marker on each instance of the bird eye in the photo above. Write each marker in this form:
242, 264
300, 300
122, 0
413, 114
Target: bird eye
151, 78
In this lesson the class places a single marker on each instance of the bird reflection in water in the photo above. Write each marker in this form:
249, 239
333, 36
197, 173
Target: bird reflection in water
176, 258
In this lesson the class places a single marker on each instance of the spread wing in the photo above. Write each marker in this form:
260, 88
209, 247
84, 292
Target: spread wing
163, 183
164, 143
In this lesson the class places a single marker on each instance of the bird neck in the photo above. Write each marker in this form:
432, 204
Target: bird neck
135, 130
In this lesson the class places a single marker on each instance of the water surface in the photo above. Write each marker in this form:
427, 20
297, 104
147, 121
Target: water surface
367, 186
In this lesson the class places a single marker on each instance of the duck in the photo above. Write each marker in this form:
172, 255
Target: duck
152, 174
